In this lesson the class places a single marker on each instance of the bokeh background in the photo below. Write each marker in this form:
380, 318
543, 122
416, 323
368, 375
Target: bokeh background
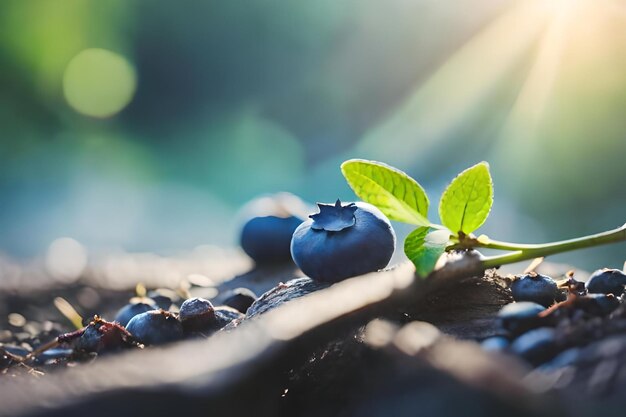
145, 125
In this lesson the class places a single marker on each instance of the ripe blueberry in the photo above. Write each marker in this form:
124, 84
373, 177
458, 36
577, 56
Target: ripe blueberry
196, 314
131, 310
240, 299
599, 304
266, 235
155, 327
199, 317
521, 316
537, 345
537, 288
343, 241
607, 281
495, 343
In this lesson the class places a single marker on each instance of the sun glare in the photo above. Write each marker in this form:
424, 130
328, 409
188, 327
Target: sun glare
579, 51
533, 34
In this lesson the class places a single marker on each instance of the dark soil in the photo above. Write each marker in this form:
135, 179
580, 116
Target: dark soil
372, 346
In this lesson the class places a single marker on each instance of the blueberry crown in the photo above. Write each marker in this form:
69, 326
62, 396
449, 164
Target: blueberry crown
334, 218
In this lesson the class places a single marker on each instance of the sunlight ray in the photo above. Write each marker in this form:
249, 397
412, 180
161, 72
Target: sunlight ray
457, 87
616, 6
531, 101
519, 136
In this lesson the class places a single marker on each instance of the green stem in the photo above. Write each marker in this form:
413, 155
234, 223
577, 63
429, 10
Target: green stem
497, 244
525, 252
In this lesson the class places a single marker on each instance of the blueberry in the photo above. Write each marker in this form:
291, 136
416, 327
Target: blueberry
266, 235
240, 299
495, 343
155, 327
197, 314
536, 346
266, 239
537, 288
199, 317
598, 304
607, 281
101, 336
343, 241
521, 316
131, 310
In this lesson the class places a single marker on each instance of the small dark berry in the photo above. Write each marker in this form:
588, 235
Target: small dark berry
607, 281
521, 316
537, 288
270, 222
155, 327
197, 314
598, 304
537, 345
495, 344
266, 239
131, 310
200, 318
102, 336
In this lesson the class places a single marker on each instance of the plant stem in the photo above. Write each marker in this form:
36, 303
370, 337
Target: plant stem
525, 252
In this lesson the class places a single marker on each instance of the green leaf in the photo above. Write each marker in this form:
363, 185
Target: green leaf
424, 247
466, 203
396, 194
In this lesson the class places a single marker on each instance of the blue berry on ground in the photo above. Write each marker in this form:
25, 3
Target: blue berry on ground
537, 288
537, 345
266, 239
270, 223
599, 304
129, 311
101, 336
521, 316
607, 281
197, 314
200, 318
495, 344
342, 241
155, 327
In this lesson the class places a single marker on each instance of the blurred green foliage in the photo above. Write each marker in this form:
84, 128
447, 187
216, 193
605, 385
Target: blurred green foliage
234, 99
